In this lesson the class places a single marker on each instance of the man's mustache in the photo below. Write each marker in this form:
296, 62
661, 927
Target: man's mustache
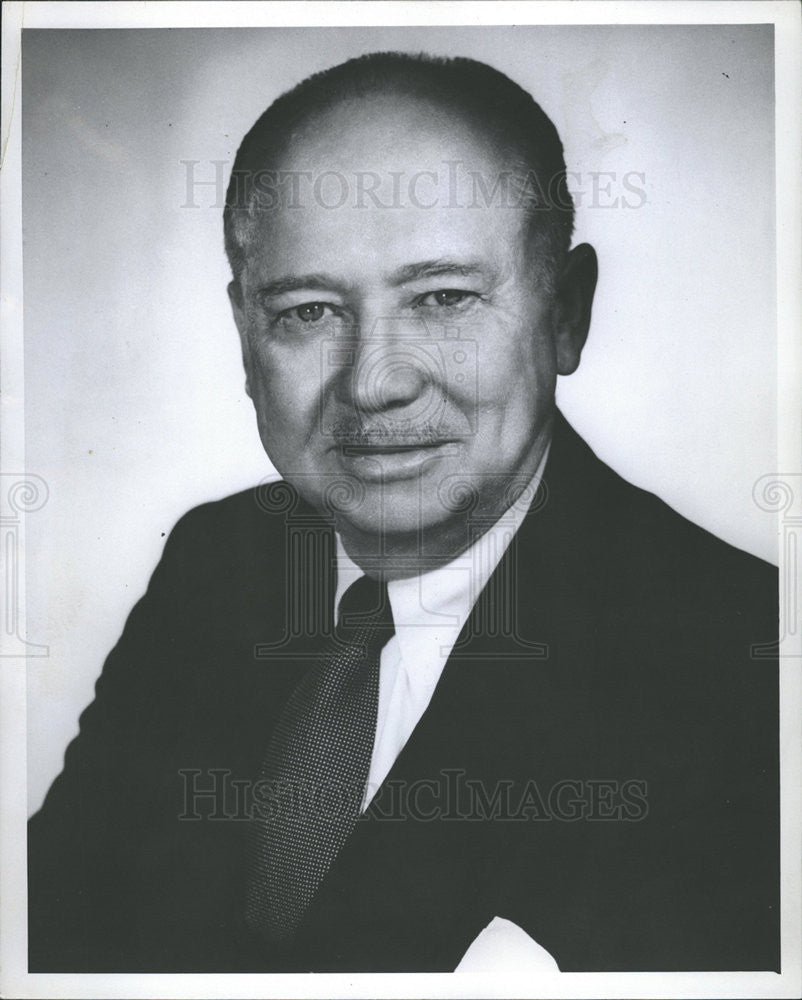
396, 433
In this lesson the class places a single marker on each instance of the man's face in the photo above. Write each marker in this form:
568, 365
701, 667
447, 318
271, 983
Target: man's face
401, 351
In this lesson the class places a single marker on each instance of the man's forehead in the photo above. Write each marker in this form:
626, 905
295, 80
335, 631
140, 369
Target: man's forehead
393, 152
391, 244
379, 175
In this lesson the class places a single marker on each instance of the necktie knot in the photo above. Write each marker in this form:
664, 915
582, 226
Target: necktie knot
366, 605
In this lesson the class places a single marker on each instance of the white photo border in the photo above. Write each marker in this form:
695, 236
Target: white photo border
788, 44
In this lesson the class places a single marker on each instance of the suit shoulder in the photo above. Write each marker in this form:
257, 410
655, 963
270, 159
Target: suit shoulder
644, 544
260, 512
651, 519
240, 537
685, 563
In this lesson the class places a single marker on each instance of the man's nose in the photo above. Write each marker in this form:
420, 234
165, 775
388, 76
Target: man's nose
388, 368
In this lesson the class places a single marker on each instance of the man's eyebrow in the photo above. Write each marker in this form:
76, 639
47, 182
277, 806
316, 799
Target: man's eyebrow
409, 272
436, 269
298, 282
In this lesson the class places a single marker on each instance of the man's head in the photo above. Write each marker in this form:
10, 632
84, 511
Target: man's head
398, 228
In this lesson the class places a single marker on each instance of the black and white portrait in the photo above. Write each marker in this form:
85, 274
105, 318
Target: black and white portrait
402, 500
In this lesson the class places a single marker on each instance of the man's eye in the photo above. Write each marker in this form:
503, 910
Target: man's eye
447, 297
309, 312
309, 318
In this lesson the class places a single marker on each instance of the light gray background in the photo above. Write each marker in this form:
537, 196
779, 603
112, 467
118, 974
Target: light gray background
135, 408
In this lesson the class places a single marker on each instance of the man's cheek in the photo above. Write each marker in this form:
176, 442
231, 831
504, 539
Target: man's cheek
292, 420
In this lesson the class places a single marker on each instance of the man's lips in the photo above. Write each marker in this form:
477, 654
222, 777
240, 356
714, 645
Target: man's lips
385, 461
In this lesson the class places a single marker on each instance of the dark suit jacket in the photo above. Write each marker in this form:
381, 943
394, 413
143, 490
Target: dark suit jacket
605, 709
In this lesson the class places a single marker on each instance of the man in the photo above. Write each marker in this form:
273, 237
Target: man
451, 668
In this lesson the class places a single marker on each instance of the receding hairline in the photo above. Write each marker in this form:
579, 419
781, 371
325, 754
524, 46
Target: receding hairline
469, 122
507, 130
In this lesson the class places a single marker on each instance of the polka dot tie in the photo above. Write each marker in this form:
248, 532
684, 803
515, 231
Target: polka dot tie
312, 780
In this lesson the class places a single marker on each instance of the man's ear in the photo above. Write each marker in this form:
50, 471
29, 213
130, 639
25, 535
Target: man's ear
238, 308
576, 284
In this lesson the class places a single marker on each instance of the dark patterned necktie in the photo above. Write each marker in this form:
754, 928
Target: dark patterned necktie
314, 773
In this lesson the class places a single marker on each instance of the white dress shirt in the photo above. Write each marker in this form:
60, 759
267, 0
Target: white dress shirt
429, 612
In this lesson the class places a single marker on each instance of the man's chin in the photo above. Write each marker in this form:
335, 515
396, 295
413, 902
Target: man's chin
424, 510
418, 531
